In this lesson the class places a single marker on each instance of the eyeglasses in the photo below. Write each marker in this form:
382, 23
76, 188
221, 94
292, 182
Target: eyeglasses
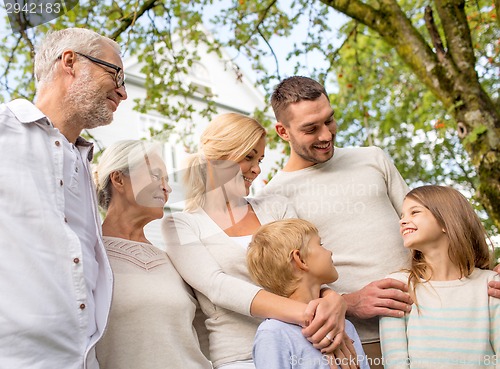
118, 77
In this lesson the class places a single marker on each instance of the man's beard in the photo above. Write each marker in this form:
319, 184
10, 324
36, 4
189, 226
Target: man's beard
308, 154
86, 104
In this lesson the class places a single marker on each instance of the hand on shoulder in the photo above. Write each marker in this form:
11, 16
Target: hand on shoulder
385, 297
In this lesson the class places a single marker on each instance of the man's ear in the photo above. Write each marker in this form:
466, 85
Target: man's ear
282, 131
297, 260
117, 181
68, 58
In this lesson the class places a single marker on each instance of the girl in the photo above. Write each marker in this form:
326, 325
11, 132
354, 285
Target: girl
454, 324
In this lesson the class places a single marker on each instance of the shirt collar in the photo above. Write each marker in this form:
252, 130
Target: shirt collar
26, 112
86, 146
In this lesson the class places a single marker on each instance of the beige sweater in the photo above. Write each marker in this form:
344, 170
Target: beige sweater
215, 266
151, 319
355, 200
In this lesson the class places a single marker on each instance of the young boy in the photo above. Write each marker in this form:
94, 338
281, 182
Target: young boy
286, 257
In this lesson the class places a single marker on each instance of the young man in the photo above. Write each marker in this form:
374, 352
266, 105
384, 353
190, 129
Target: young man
287, 258
353, 196
56, 281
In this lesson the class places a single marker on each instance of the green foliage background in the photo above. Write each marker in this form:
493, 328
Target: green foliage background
377, 98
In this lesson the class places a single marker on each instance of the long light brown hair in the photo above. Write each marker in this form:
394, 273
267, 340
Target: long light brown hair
468, 248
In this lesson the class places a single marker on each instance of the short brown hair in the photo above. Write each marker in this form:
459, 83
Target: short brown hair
269, 254
292, 90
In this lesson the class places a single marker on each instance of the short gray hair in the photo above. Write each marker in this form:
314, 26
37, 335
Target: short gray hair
55, 43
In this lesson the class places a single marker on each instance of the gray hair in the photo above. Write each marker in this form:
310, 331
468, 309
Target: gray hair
121, 156
55, 43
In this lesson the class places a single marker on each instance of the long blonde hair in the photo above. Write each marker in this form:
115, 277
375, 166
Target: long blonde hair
229, 136
468, 248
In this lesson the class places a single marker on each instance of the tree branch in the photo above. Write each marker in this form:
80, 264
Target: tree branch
262, 17
434, 33
274, 55
11, 58
457, 32
396, 29
355, 9
331, 58
497, 9
26, 38
125, 23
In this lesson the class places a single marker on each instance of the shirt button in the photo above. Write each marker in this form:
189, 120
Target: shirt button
76, 169
57, 143
61, 182
65, 220
76, 260
82, 306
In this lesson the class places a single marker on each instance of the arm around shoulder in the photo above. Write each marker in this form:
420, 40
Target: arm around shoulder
198, 267
385, 297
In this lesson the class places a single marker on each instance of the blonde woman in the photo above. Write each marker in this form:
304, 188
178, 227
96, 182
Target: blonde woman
152, 311
207, 244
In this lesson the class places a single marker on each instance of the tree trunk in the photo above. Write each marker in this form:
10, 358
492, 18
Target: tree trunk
449, 72
497, 9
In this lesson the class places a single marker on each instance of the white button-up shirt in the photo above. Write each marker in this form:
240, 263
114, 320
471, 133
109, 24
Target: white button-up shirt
46, 312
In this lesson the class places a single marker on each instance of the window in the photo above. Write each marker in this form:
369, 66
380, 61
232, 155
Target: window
151, 126
200, 79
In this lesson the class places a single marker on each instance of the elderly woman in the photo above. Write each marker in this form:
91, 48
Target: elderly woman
152, 311
207, 244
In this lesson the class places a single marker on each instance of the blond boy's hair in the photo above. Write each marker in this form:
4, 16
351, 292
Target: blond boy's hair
269, 255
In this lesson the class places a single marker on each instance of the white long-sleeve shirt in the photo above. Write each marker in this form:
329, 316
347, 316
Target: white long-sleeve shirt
48, 318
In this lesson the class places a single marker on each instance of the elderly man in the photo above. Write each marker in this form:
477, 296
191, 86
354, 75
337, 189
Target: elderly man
55, 282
